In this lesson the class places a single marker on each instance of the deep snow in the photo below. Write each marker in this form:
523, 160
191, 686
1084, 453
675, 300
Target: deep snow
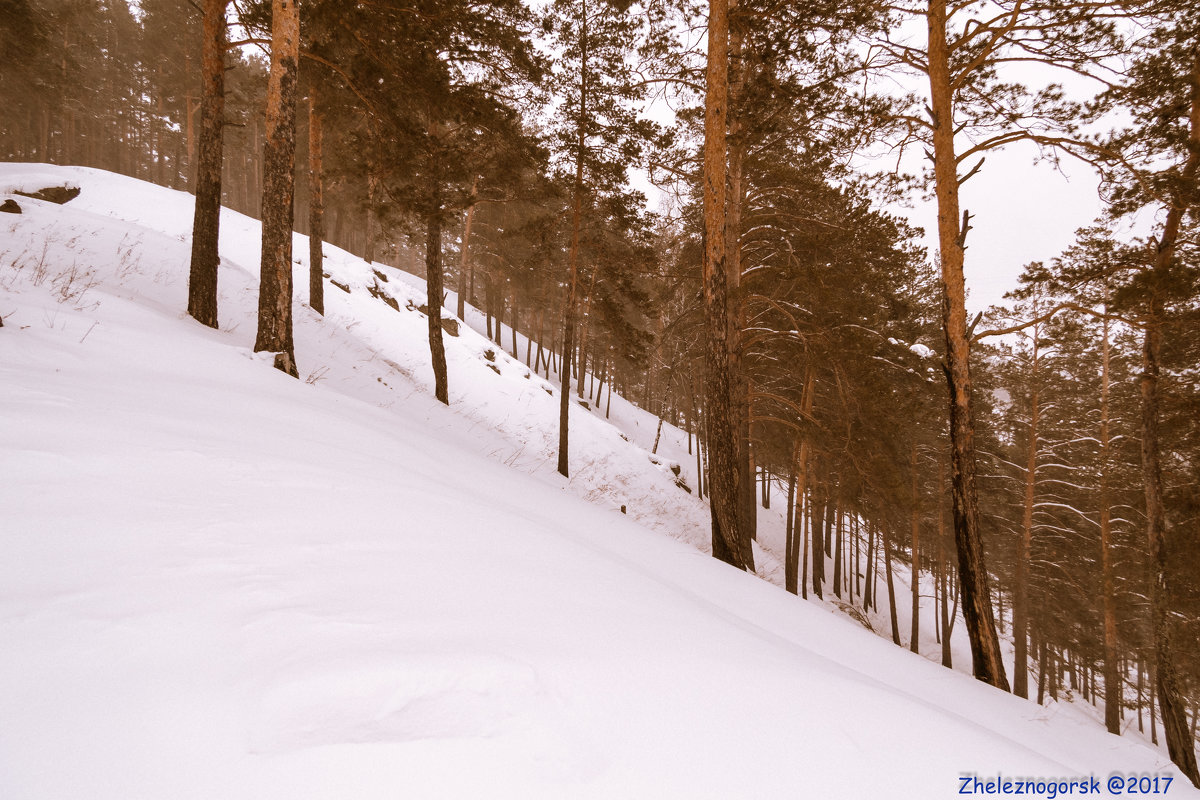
220, 582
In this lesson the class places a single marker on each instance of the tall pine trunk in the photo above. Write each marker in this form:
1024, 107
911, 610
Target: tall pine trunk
433, 301
1180, 746
987, 663
739, 400
730, 543
466, 245
1021, 582
891, 586
202, 279
1113, 691
915, 521
790, 551
564, 399
279, 167
316, 210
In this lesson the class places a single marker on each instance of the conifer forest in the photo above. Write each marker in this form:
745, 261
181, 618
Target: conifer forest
705, 208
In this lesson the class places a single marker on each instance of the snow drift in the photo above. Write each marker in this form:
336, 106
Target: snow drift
220, 582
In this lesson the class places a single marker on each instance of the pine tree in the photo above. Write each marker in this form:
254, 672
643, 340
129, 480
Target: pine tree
595, 138
279, 160
1162, 95
202, 281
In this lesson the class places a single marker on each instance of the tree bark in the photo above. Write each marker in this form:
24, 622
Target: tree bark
202, 278
819, 502
789, 558
433, 301
1174, 714
837, 550
316, 211
987, 663
466, 245
1021, 581
891, 587
1166, 683
916, 559
947, 622
730, 543
739, 400
279, 167
564, 401
1113, 691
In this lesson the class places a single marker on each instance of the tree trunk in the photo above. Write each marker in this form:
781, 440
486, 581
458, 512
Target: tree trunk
891, 587
433, 300
1021, 581
279, 167
202, 279
837, 551
987, 663
1166, 684
466, 245
806, 503
868, 594
947, 622
739, 401
730, 542
1113, 691
573, 255
819, 502
916, 559
789, 550
1041, 688
513, 326
316, 211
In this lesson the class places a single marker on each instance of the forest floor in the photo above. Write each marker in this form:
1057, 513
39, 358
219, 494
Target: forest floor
220, 582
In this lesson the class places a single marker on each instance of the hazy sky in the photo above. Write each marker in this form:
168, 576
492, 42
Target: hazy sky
1021, 212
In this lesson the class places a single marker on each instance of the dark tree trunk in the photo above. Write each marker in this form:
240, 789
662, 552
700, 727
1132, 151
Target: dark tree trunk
466, 258
1021, 579
790, 551
202, 280
1113, 691
804, 544
739, 401
1174, 714
891, 586
433, 300
947, 621
819, 506
279, 167
316, 211
915, 633
837, 552
564, 399
987, 663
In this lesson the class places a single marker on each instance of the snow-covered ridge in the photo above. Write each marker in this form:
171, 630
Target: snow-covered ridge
220, 582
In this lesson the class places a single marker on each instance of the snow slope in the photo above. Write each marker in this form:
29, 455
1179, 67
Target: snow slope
220, 582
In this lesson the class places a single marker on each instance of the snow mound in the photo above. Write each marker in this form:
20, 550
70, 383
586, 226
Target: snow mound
220, 582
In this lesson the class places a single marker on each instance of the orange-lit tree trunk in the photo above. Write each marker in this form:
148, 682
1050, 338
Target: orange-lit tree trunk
987, 664
279, 167
730, 544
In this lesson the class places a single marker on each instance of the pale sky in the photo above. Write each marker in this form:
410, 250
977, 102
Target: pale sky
1021, 212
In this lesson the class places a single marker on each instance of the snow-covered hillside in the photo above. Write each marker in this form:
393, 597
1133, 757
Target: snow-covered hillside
220, 582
